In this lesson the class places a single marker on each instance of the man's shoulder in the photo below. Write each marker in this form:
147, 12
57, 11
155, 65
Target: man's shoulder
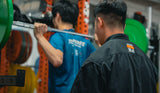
56, 35
106, 51
98, 56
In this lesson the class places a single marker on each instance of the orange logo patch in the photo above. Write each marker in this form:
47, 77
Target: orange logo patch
130, 48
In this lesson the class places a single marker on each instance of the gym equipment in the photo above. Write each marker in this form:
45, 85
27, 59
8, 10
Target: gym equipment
43, 70
6, 20
21, 26
13, 80
19, 47
137, 34
134, 29
30, 80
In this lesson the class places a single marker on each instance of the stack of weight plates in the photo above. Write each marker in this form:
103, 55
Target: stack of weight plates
19, 47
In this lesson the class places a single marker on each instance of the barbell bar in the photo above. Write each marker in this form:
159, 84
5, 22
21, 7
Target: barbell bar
21, 26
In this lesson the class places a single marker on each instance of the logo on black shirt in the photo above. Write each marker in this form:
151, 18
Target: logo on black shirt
130, 48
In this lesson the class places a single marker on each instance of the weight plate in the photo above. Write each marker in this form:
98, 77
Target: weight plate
19, 47
3, 18
22, 55
137, 34
6, 19
14, 46
30, 80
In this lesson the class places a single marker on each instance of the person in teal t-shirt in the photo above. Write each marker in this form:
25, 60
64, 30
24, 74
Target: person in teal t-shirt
65, 52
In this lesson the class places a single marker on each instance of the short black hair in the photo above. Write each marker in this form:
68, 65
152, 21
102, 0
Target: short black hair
67, 10
114, 12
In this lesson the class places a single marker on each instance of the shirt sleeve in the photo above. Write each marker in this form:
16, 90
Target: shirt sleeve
57, 41
88, 80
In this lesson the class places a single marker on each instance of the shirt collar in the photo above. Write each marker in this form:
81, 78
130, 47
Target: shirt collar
70, 30
118, 36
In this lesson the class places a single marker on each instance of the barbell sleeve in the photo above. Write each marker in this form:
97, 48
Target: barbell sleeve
21, 26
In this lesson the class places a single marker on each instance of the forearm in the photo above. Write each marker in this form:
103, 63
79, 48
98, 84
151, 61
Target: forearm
55, 56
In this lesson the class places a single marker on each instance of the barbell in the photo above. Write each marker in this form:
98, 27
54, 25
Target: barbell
21, 26
7, 24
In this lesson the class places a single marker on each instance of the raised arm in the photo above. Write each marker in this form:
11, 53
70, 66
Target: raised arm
55, 56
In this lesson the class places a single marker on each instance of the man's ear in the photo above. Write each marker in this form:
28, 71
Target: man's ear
100, 22
58, 17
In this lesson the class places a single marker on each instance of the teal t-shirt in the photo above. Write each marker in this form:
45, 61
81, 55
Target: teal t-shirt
76, 50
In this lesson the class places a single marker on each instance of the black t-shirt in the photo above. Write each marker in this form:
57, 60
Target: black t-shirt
118, 66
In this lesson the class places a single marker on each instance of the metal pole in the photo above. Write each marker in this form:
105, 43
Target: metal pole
21, 26
148, 30
149, 21
159, 58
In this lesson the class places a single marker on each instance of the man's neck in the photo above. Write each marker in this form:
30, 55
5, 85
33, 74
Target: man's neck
113, 32
65, 26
